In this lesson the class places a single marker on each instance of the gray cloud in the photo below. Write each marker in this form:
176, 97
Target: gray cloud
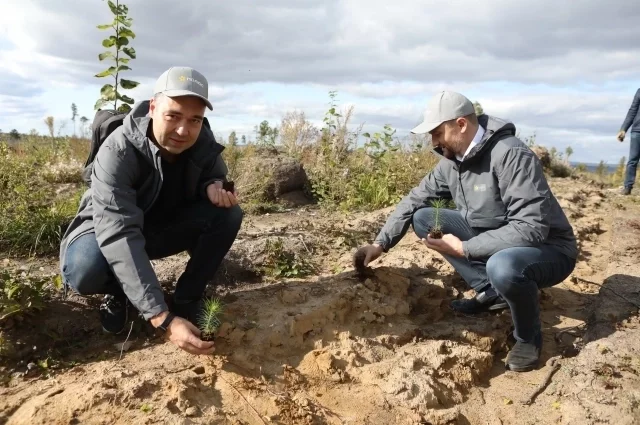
20, 107
358, 41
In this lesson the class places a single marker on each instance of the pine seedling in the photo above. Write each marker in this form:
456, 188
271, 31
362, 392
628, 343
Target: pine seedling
436, 229
209, 318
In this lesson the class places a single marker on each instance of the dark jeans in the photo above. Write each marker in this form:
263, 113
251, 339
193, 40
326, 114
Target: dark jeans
515, 273
634, 156
204, 230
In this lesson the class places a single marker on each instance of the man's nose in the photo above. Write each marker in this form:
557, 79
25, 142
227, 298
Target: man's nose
182, 130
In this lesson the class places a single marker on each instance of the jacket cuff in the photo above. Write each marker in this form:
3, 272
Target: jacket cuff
155, 310
466, 250
205, 185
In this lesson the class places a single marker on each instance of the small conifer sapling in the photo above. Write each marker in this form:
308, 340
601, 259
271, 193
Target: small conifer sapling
436, 228
209, 318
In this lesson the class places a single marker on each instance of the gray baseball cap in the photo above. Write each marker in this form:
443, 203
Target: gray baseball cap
183, 81
444, 106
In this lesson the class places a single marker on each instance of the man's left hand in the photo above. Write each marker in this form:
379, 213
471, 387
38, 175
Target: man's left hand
220, 197
449, 245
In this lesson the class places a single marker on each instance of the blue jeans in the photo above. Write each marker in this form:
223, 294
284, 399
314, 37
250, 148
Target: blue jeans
632, 164
515, 273
204, 230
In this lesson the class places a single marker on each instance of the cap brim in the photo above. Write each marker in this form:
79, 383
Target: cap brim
425, 127
177, 93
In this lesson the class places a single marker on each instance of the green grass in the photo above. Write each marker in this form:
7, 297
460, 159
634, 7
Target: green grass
32, 214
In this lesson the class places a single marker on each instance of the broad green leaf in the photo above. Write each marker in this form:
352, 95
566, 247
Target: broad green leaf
366, 135
130, 51
123, 68
124, 21
124, 108
126, 32
125, 99
109, 42
128, 84
124, 9
106, 90
107, 72
113, 7
123, 60
105, 26
99, 104
122, 41
103, 56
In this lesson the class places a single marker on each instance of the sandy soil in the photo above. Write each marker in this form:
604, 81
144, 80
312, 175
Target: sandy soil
330, 349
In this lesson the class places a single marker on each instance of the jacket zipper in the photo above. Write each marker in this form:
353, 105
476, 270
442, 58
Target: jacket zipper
464, 198
158, 186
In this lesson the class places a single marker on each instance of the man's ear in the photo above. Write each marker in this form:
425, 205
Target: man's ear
463, 124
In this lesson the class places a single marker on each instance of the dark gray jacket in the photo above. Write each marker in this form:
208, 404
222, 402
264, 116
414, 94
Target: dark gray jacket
125, 182
500, 190
633, 117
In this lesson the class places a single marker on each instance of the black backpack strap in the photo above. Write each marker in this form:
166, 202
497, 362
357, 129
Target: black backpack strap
104, 122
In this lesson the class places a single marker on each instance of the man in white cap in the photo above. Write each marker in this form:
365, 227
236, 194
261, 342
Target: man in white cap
508, 237
155, 190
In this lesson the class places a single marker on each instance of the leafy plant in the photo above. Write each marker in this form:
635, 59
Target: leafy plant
121, 27
22, 293
283, 263
209, 318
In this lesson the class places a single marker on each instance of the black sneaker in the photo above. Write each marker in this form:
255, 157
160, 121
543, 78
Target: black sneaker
114, 313
190, 310
524, 356
488, 300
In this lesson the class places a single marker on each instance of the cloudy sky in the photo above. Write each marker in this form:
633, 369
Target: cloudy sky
564, 70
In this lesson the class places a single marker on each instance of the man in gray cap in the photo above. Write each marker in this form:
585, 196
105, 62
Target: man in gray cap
155, 191
508, 237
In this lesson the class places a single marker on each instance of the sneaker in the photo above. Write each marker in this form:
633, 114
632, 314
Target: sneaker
626, 191
488, 300
114, 313
524, 356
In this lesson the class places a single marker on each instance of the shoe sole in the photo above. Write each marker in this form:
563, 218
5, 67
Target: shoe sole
500, 306
522, 369
492, 308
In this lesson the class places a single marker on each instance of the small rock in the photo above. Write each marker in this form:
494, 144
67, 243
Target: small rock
31, 366
191, 411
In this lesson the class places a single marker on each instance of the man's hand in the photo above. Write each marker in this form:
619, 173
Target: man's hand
185, 335
220, 197
621, 135
449, 245
365, 255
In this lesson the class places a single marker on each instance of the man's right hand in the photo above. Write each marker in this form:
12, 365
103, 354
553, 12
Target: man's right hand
185, 335
621, 135
366, 254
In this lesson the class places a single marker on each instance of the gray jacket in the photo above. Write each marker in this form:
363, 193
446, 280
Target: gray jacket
633, 117
500, 190
125, 182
